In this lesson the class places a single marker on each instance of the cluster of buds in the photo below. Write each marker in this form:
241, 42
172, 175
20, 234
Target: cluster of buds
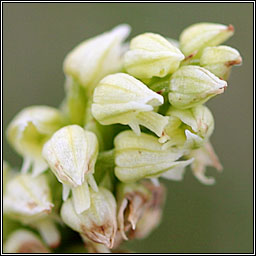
131, 116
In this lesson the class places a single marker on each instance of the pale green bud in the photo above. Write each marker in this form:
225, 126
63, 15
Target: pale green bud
71, 153
121, 98
152, 55
28, 132
139, 157
205, 156
220, 59
132, 201
192, 85
24, 241
198, 36
95, 58
98, 223
27, 198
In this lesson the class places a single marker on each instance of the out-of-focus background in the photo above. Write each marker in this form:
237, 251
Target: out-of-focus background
197, 218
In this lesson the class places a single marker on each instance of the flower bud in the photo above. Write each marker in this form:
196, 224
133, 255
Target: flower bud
219, 60
71, 153
204, 156
152, 215
193, 85
151, 55
198, 36
28, 132
139, 157
95, 58
132, 201
24, 241
98, 223
120, 98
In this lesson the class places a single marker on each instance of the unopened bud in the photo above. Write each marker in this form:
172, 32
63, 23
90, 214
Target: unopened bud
192, 85
139, 157
152, 55
121, 98
198, 36
71, 153
98, 223
28, 132
219, 60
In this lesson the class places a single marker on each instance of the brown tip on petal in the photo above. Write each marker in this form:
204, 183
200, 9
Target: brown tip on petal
231, 28
233, 62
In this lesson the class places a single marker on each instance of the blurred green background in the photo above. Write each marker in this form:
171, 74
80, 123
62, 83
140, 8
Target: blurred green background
197, 218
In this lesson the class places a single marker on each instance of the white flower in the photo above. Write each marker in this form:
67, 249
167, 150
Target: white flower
97, 57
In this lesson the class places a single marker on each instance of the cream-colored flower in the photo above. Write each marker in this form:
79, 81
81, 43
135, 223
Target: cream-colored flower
152, 55
28, 132
188, 129
220, 59
198, 36
193, 85
97, 57
121, 98
98, 223
28, 199
71, 153
139, 157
